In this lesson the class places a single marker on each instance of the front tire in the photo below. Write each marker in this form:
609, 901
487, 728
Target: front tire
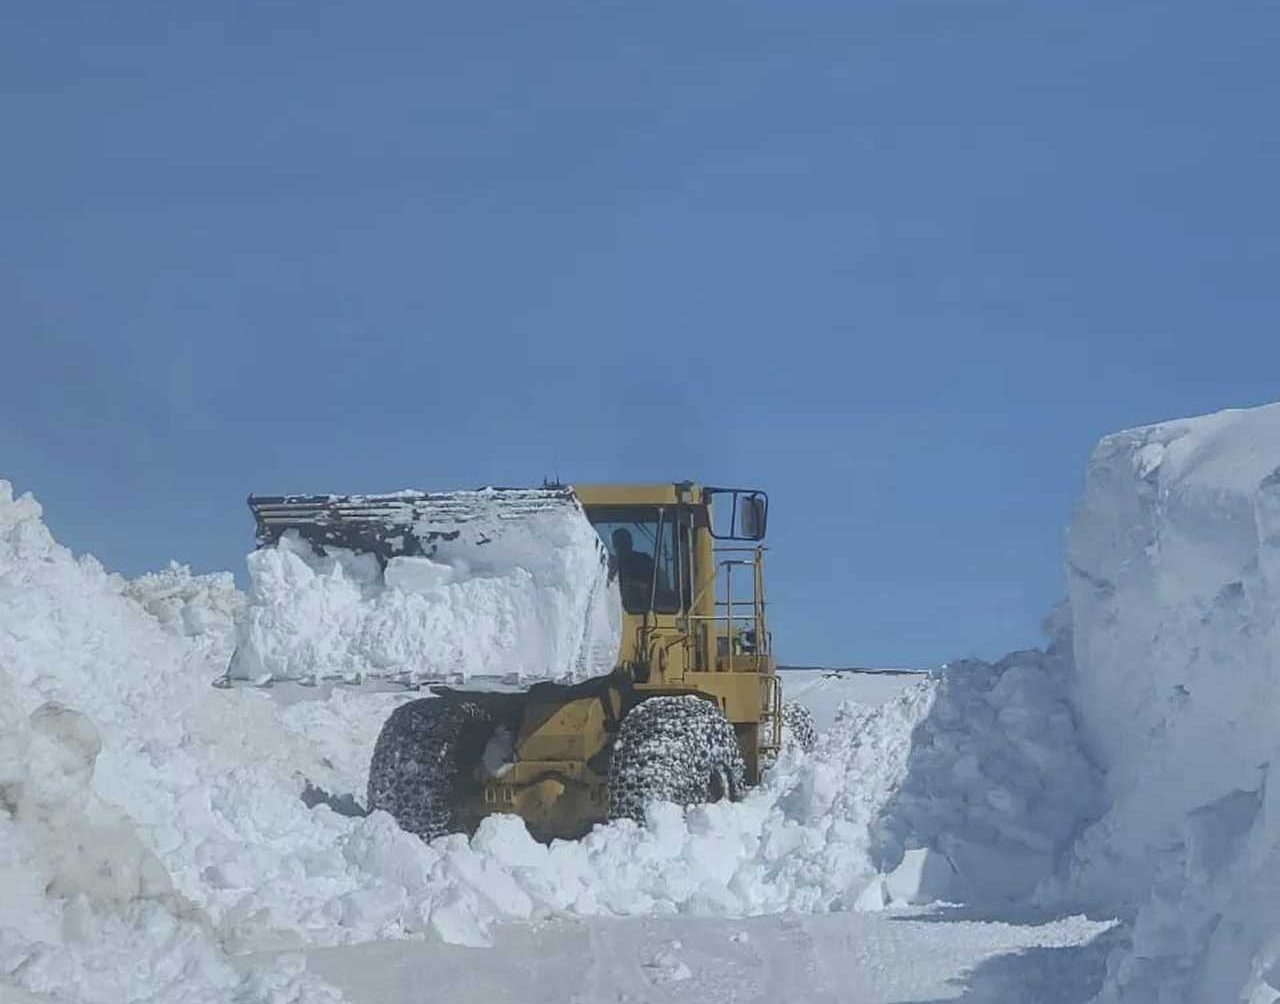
415, 769
673, 749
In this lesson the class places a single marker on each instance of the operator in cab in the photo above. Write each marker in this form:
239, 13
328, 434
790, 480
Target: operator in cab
635, 570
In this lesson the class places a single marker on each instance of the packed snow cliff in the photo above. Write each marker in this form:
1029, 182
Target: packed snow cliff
1174, 570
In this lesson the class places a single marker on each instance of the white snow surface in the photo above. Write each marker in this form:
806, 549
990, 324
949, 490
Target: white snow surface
533, 601
819, 958
997, 783
215, 852
1124, 769
1174, 564
106, 802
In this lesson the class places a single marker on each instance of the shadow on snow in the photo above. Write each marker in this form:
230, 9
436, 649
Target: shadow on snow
1065, 975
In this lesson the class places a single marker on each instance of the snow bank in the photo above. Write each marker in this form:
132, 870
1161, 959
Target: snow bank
996, 782
90, 910
532, 601
189, 605
1174, 563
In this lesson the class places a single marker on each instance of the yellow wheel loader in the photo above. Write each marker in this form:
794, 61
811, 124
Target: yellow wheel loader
689, 714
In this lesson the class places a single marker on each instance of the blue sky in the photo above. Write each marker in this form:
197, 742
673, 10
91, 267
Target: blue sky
898, 263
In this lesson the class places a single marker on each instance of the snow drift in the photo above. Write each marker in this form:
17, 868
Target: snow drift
997, 783
1174, 567
97, 904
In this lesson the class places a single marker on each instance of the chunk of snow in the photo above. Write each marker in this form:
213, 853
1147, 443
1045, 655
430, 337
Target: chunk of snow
924, 876
874, 898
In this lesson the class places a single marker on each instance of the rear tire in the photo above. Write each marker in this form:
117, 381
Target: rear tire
415, 769
673, 749
799, 732
798, 728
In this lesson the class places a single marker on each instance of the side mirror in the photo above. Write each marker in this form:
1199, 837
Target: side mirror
751, 516
738, 513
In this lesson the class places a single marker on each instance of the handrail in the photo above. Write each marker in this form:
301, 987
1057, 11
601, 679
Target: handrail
727, 610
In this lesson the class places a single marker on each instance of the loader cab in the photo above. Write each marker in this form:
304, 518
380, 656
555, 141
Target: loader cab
689, 568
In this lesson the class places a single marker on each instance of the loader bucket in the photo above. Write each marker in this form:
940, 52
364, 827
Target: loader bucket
405, 523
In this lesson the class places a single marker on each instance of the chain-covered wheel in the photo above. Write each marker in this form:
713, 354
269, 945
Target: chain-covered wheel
798, 728
673, 749
415, 768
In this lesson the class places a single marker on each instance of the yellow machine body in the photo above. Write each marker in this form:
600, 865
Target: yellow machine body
705, 634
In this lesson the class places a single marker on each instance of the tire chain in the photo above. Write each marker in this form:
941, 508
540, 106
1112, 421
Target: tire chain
798, 728
667, 750
414, 765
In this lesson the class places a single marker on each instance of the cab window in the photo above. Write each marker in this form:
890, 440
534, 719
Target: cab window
643, 546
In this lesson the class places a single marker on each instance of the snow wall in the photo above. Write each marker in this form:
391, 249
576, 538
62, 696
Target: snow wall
1174, 571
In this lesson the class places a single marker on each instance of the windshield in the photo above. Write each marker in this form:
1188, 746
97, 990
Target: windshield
643, 553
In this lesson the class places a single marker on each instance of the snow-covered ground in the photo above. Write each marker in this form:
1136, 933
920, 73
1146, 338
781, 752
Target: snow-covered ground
824, 959
154, 844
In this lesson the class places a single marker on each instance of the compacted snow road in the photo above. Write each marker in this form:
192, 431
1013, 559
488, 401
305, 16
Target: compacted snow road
847, 957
